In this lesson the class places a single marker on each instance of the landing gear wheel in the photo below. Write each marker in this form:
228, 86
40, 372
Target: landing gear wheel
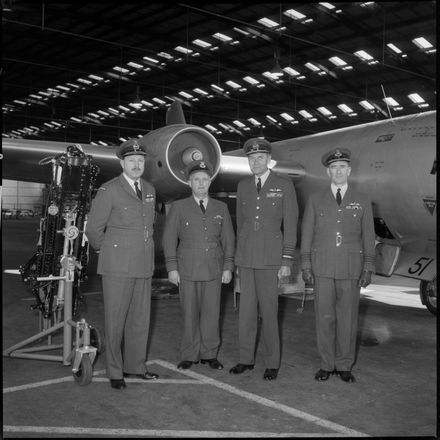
428, 295
85, 372
97, 339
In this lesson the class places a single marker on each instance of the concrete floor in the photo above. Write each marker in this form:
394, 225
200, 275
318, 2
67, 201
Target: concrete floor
395, 393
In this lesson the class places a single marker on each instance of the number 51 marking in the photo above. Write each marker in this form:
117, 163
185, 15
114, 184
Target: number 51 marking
420, 265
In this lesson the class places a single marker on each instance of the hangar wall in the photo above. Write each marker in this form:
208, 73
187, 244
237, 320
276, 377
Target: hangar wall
22, 195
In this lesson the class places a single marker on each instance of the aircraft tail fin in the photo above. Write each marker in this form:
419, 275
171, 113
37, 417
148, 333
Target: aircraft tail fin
175, 114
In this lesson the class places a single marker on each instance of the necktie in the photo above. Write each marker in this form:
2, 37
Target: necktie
138, 191
202, 206
259, 186
338, 196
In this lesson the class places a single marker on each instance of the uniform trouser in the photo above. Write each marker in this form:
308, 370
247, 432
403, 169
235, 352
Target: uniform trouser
259, 291
200, 303
127, 304
336, 316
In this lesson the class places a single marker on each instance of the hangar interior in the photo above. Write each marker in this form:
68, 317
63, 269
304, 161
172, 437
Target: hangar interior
102, 73
89, 72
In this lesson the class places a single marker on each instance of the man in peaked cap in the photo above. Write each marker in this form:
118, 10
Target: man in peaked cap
337, 253
267, 216
198, 243
120, 227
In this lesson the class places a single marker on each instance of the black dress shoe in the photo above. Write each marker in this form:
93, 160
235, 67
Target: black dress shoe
346, 376
184, 365
118, 384
240, 368
145, 376
270, 373
322, 374
213, 363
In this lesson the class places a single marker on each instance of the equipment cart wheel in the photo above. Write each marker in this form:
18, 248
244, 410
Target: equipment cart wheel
97, 339
85, 371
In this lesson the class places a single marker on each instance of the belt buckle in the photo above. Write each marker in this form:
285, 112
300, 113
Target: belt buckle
256, 226
338, 239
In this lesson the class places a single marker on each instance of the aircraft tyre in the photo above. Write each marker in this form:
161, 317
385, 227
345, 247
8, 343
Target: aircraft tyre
97, 339
428, 295
85, 371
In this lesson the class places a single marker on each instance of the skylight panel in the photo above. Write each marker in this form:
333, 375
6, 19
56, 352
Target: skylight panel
365, 56
96, 77
151, 60
325, 111
186, 95
292, 13
73, 118
165, 55
239, 124
17, 101
287, 117
35, 96
135, 65
270, 118
233, 84
291, 72
415, 97
66, 89
268, 22
201, 43
222, 37
312, 67
211, 127
345, 108
327, 5
117, 68
85, 81
158, 100
337, 61
215, 87
147, 103
305, 114
254, 122
103, 113
183, 50
424, 44
251, 80
241, 31
394, 48
391, 101
76, 86
201, 92
126, 109
366, 105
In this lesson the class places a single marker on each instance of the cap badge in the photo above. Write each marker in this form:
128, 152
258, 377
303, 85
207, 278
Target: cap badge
202, 165
136, 146
338, 154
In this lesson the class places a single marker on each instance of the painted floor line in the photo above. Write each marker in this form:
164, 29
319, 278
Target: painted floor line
198, 379
118, 432
267, 402
45, 383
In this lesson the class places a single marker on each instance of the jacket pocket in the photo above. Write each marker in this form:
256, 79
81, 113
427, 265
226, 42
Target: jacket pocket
114, 257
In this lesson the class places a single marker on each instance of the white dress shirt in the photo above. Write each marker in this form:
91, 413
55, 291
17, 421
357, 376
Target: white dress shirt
263, 178
131, 183
343, 190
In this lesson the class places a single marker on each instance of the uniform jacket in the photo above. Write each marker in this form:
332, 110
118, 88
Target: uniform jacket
266, 223
200, 246
120, 226
338, 241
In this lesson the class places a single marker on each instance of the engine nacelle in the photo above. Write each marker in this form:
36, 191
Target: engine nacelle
170, 150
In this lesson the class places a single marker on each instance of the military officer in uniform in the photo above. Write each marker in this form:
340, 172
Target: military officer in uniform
267, 216
337, 253
120, 227
199, 244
